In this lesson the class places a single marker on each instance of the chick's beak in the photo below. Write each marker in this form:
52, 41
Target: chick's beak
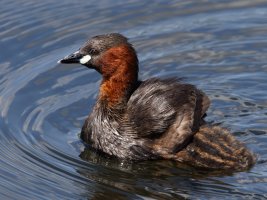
72, 58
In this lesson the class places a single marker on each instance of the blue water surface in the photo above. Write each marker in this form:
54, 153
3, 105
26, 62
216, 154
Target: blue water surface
220, 46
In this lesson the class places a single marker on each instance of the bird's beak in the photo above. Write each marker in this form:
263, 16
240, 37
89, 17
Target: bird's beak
72, 58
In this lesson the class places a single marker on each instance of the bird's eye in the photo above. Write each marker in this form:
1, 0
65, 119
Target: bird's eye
93, 52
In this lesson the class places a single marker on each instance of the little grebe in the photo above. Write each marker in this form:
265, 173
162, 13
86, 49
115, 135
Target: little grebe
152, 119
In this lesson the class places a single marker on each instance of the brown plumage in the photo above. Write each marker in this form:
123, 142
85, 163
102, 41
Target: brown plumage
215, 148
151, 119
117, 75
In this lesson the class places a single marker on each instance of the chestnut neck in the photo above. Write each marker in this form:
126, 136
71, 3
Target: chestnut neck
119, 69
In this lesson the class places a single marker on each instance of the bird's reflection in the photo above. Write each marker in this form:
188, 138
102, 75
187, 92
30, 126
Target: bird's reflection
116, 179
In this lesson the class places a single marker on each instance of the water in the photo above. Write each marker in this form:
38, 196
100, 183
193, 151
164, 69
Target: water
221, 46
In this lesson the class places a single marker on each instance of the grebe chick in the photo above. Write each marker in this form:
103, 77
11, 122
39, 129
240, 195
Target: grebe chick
151, 119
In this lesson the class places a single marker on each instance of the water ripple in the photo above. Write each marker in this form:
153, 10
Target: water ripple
219, 46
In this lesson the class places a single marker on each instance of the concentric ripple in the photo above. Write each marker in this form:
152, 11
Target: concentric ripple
219, 46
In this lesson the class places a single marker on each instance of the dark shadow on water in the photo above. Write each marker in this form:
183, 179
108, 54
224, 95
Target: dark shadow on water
149, 178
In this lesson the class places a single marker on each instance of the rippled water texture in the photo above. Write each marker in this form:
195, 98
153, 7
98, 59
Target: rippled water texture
219, 46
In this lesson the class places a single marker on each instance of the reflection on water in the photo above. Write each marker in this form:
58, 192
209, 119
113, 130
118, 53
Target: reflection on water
220, 46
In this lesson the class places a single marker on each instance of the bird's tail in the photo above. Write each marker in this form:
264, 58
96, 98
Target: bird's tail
214, 147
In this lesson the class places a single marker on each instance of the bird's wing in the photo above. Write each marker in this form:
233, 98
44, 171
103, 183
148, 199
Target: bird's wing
165, 111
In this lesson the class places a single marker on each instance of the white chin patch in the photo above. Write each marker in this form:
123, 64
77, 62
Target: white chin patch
85, 59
